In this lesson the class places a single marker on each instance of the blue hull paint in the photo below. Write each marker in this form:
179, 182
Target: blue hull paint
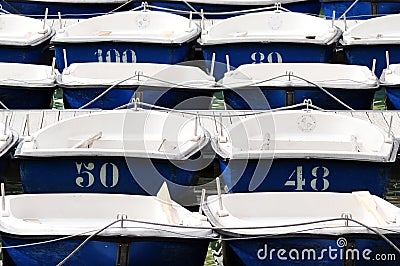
76, 98
327, 251
174, 98
364, 54
68, 10
183, 99
250, 98
26, 98
106, 175
37, 54
163, 252
122, 52
393, 97
308, 7
254, 53
361, 10
305, 175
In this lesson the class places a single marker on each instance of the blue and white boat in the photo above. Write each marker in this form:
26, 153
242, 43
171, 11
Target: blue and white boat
102, 229
124, 151
26, 86
127, 37
390, 80
305, 150
359, 10
228, 8
268, 37
306, 228
371, 39
70, 9
330, 86
24, 40
111, 85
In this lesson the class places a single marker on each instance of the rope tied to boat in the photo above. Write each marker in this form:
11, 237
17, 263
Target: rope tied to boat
217, 229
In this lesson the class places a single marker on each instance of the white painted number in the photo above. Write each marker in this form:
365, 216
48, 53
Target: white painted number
88, 172
113, 55
324, 180
273, 57
299, 182
103, 174
90, 178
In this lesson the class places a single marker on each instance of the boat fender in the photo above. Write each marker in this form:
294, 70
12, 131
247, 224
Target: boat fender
373, 76
221, 212
45, 30
4, 212
388, 70
199, 215
190, 29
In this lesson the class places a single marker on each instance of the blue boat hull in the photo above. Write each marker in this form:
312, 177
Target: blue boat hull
393, 97
78, 97
35, 54
122, 53
183, 99
305, 175
188, 99
361, 10
250, 98
314, 250
105, 251
309, 7
26, 98
107, 175
364, 55
68, 10
255, 53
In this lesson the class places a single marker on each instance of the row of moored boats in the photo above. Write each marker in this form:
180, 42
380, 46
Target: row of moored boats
109, 187
283, 171
303, 44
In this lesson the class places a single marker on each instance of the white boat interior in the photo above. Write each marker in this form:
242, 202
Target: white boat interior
27, 75
132, 133
390, 75
271, 26
131, 26
275, 213
379, 30
301, 75
74, 213
128, 74
305, 134
18, 30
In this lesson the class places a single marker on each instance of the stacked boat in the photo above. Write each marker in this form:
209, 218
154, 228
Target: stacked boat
126, 37
282, 37
106, 229
330, 86
305, 150
304, 227
114, 85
